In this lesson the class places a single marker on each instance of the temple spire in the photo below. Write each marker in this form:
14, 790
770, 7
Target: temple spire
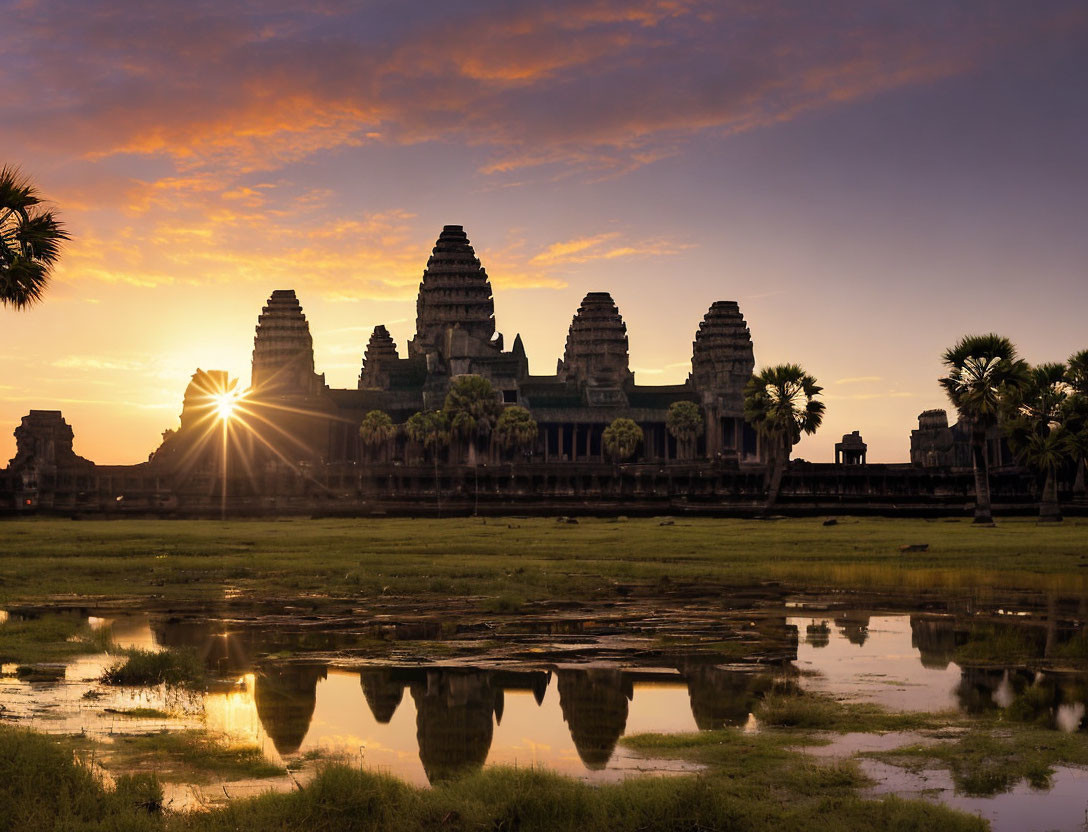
596, 352
381, 352
455, 294
722, 360
283, 351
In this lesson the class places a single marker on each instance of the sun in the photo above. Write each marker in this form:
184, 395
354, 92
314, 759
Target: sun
224, 404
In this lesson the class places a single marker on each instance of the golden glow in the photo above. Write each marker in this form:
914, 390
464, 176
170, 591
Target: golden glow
224, 404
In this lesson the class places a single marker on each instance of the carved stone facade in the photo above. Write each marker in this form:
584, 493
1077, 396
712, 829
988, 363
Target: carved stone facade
722, 362
283, 350
596, 354
455, 311
934, 444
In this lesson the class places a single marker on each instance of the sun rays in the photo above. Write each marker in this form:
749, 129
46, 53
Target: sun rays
226, 433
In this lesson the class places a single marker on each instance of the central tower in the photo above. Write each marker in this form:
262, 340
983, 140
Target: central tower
455, 295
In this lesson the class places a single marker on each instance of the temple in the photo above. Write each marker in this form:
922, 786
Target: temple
292, 443
455, 336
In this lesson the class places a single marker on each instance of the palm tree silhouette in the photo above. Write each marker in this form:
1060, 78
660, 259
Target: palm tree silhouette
780, 403
375, 432
516, 430
1078, 421
30, 241
684, 421
1036, 418
982, 370
621, 439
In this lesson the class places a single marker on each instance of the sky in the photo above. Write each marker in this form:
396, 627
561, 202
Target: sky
870, 180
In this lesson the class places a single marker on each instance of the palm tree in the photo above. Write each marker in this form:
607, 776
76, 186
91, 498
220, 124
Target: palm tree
621, 439
430, 428
684, 422
473, 408
30, 241
516, 430
780, 403
1078, 420
1035, 423
376, 430
982, 371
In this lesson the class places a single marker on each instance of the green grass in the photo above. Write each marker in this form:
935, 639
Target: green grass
536, 559
801, 795
156, 667
188, 756
49, 638
45, 788
816, 712
139, 713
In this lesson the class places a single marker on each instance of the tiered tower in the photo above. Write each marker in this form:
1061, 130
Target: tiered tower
455, 295
44, 439
380, 355
596, 353
722, 362
283, 351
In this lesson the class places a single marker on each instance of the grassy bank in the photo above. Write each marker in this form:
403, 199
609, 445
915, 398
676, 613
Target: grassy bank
522, 559
757, 784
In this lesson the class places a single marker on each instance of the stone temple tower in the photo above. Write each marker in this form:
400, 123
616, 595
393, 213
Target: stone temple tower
596, 353
283, 351
722, 361
455, 312
380, 356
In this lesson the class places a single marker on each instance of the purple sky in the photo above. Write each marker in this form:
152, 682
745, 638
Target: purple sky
869, 181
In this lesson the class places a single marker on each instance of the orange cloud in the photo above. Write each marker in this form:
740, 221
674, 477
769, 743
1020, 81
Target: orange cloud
601, 247
603, 85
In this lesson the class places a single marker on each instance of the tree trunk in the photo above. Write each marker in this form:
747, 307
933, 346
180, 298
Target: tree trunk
1079, 490
1049, 509
778, 470
982, 479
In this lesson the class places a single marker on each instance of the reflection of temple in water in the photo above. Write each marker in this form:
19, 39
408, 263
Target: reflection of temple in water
382, 692
285, 696
721, 698
594, 705
454, 721
1053, 699
934, 639
854, 626
818, 634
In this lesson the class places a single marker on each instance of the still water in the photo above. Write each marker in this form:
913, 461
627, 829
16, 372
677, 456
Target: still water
427, 721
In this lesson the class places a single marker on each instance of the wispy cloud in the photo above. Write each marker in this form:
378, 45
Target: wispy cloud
859, 380
608, 84
607, 246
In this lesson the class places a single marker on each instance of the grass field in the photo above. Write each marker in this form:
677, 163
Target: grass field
751, 782
522, 559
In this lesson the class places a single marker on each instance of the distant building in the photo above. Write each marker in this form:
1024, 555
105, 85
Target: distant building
936, 445
852, 450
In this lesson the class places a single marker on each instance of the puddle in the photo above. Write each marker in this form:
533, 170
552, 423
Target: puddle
881, 659
1061, 808
559, 691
